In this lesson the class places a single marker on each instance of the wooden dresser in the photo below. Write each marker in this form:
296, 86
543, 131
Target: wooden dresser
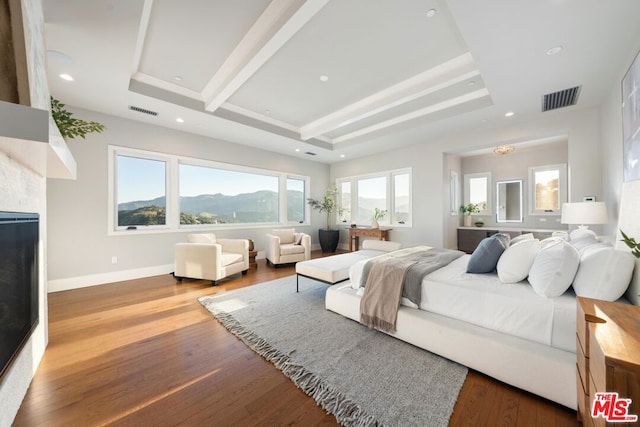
608, 356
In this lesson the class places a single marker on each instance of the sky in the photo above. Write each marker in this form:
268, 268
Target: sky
144, 179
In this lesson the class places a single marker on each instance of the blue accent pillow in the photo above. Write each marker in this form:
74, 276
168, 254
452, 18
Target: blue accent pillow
485, 258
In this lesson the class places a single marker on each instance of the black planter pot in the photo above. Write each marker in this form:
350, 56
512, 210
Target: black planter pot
329, 239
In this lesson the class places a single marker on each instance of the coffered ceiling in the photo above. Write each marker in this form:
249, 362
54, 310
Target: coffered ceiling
339, 78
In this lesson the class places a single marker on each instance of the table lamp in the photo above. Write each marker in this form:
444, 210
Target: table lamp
584, 213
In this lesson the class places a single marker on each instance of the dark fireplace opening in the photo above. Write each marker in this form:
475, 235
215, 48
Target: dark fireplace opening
18, 283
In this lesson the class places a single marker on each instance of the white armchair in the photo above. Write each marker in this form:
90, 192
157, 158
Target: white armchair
205, 257
285, 246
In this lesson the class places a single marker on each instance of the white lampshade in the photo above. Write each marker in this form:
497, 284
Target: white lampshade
584, 213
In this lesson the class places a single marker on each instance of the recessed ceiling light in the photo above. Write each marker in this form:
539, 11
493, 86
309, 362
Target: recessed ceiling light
342, 155
509, 114
180, 120
431, 13
554, 50
324, 78
66, 77
297, 150
177, 78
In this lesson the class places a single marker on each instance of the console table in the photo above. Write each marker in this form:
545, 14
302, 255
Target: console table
356, 232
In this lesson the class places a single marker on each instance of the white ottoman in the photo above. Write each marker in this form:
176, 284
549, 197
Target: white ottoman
335, 269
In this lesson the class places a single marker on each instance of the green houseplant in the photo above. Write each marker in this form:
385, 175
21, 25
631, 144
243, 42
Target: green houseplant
467, 210
631, 242
328, 205
70, 127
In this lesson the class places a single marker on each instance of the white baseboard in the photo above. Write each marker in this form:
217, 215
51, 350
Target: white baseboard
100, 279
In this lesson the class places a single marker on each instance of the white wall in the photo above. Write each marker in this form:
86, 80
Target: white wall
612, 143
580, 126
80, 250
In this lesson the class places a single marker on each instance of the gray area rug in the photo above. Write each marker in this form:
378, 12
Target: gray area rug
361, 376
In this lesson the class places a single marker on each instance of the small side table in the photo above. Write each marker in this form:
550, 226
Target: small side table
253, 265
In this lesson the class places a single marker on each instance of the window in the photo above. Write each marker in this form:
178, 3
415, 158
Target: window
141, 192
344, 189
211, 195
477, 189
153, 192
547, 189
390, 191
401, 199
372, 194
296, 200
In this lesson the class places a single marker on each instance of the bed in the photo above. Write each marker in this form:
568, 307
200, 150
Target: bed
506, 331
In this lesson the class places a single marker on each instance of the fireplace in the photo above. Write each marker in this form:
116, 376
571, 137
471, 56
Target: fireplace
19, 272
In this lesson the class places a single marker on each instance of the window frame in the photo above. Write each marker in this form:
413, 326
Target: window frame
390, 196
563, 188
173, 163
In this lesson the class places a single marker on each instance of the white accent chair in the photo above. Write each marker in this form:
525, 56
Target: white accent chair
208, 258
285, 246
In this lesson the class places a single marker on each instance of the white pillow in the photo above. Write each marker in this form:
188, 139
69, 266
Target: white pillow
582, 238
515, 262
564, 235
286, 235
554, 268
520, 238
201, 238
604, 273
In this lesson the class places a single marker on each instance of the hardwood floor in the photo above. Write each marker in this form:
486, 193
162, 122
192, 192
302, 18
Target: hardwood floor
145, 352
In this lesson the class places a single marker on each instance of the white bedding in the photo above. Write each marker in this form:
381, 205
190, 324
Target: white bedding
483, 300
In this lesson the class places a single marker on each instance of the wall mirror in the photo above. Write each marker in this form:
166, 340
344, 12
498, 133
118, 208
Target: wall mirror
509, 201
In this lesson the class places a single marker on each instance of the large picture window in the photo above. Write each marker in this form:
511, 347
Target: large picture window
390, 191
219, 196
153, 192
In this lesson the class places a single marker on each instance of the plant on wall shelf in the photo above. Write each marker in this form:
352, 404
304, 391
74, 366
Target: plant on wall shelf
631, 242
70, 127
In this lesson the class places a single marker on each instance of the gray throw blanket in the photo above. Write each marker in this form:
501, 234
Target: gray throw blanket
389, 277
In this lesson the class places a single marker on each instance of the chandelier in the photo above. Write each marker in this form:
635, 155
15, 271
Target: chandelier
504, 149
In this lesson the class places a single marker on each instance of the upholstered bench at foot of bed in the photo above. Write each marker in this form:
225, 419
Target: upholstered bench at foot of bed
335, 269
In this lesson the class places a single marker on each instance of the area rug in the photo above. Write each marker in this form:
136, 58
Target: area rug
361, 376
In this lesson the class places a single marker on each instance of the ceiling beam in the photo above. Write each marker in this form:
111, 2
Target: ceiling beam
482, 93
277, 24
437, 78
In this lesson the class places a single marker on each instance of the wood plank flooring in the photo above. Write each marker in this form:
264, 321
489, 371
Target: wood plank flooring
146, 353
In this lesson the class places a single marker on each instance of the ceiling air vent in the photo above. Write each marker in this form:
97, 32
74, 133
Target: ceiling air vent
143, 110
310, 153
560, 99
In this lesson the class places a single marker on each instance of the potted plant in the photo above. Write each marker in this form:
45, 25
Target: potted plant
631, 243
377, 214
328, 237
68, 126
467, 210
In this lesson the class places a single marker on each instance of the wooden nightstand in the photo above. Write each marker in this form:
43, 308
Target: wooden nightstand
608, 355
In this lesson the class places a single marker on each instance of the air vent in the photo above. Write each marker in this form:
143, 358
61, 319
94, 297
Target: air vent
310, 153
561, 99
143, 110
